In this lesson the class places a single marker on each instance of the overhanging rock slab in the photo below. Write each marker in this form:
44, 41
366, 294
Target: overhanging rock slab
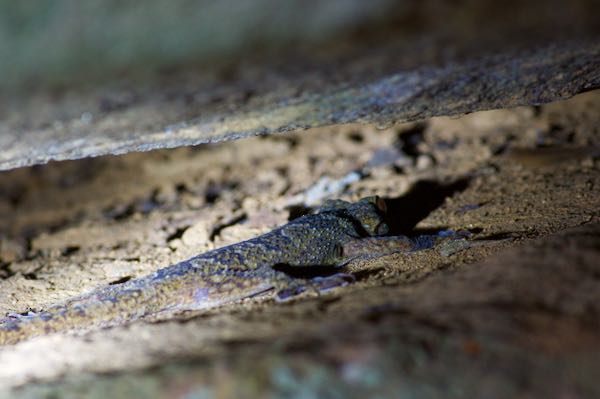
389, 75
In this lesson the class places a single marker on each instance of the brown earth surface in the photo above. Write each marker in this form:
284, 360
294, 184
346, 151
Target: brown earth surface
511, 312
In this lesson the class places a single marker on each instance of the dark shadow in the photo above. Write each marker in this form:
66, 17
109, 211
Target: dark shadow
297, 211
307, 271
405, 212
409, 140
121, 280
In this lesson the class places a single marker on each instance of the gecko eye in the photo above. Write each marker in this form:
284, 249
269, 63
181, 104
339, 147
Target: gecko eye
338, 251
381, 205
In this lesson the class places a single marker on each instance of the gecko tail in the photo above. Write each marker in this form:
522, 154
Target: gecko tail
16, 327
104, 307
173, 289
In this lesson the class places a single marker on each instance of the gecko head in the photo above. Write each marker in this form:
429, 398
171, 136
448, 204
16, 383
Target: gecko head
368, 212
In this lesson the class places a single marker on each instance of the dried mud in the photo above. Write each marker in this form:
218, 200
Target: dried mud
511, 311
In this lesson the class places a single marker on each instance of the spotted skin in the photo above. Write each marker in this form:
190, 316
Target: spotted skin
337, 233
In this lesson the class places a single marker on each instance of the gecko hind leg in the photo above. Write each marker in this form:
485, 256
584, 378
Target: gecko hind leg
315, 284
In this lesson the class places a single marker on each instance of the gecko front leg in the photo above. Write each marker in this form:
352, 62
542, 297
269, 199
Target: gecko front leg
361, 249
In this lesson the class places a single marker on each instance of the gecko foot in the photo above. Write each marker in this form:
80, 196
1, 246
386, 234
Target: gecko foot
316, 284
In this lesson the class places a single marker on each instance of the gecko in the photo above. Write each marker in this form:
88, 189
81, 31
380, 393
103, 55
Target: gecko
334, 235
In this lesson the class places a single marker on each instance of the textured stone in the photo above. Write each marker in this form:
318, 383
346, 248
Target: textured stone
407, 63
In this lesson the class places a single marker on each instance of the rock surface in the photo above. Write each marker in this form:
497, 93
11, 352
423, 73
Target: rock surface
382, 91
395, 63
514, 313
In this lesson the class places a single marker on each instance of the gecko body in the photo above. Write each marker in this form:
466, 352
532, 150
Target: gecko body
337, 233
